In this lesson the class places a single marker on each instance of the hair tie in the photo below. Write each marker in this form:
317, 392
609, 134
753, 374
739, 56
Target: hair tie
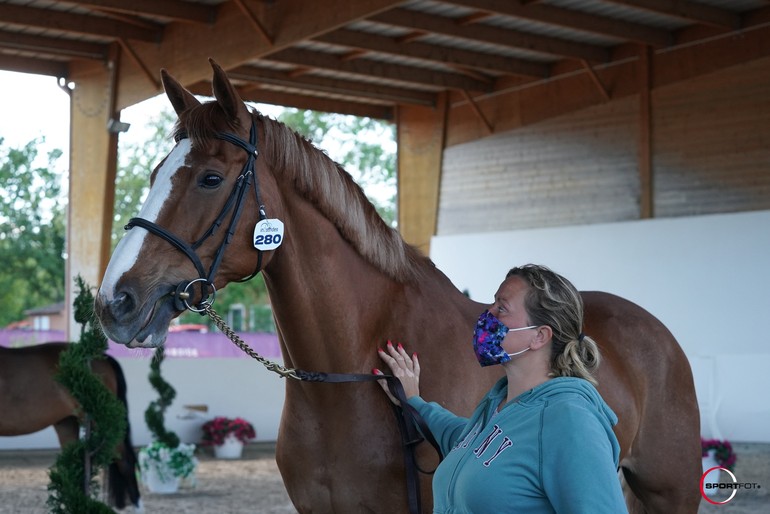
580, 337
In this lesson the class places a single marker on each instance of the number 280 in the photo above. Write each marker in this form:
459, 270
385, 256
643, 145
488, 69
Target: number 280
267, 239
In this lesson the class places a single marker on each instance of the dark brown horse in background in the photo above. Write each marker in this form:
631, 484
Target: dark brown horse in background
341, 283
31, 399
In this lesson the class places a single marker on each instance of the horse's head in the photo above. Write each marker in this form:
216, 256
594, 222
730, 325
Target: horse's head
174, 255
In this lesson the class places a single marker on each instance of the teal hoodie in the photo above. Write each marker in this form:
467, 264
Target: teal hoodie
551, 449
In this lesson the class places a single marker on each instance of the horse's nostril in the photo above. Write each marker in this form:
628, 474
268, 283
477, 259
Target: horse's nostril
122, 305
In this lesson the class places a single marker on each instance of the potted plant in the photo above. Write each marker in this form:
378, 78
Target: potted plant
166, 461
715, 454
720, 451
227, 436
163, 467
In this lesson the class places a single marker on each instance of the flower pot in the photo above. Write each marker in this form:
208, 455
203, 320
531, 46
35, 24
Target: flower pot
161, 484
231, 448
710, 461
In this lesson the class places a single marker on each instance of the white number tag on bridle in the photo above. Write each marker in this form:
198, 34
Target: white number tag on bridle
268, 234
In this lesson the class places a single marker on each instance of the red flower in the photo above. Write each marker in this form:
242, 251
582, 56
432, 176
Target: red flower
216, 430
724, 452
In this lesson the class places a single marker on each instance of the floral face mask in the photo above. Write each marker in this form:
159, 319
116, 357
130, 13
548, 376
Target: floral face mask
488, 340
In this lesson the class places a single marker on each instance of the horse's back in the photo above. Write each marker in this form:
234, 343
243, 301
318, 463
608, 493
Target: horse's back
28, 387
646, 378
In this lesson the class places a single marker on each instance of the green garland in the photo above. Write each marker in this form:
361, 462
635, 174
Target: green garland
154, 416
105, 414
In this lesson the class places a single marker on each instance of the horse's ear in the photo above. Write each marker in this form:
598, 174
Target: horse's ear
227, 97
180, 98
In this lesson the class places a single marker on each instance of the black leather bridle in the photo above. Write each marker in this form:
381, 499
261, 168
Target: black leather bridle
235, 203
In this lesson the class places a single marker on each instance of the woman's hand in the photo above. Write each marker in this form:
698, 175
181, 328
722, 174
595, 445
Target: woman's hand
403, 367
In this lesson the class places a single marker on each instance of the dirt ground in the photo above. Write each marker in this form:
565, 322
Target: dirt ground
252, 484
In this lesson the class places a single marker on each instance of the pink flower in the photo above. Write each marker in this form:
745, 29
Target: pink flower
724, 453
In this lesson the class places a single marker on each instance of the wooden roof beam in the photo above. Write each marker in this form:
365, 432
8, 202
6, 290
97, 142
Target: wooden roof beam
360, 90
300, 101
188, 46
53, 46
510, 38
429, 52
81, 24
384, 70
37, 66
692, 11
177, 10
573, 19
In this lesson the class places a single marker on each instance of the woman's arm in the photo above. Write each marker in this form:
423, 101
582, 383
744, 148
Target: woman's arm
579, 461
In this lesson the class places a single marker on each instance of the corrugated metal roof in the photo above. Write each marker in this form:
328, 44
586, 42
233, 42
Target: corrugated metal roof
418, 45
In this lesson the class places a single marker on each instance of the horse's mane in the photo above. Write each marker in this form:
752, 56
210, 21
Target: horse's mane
322, 182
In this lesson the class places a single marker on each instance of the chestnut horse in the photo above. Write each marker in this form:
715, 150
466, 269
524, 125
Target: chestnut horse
31, 399
341, 283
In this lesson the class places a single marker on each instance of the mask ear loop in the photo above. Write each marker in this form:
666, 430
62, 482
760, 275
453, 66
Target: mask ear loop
519, 353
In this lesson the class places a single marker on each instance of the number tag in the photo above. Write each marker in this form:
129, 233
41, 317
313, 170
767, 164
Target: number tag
268, 234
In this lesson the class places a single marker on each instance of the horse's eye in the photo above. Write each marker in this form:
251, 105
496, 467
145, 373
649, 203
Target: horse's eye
211, 181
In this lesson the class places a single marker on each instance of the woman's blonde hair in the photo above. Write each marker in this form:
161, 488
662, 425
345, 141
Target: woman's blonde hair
552, 300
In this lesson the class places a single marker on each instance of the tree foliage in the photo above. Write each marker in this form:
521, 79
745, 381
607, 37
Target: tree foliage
136, 160
32, 239
365, 147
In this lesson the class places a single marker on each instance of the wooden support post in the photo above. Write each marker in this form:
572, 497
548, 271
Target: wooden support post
91, 179
646, 190
421, 135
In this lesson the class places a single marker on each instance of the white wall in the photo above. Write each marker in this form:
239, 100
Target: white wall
233, 387
706, 278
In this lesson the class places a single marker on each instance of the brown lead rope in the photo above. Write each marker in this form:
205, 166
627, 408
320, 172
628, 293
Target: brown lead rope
412, 427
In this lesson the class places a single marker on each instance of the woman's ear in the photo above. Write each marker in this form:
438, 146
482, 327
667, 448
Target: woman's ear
543, 336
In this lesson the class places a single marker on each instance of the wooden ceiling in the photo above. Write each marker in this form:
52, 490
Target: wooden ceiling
363, 57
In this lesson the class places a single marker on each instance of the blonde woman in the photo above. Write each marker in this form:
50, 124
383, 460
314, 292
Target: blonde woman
541, 440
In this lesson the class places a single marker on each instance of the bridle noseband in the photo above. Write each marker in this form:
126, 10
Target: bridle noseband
235, 203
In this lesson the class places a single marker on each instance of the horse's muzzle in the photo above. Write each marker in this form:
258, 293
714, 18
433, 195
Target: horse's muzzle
126, 321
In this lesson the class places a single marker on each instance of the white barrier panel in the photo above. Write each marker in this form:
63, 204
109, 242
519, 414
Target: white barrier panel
707, 278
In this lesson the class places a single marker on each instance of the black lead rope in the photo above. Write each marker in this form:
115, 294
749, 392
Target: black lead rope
411, 426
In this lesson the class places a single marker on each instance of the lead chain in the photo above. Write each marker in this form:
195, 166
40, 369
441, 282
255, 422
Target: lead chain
283, 371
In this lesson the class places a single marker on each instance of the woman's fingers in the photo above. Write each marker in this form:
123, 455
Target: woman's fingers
404, 367
384, 385
396, 357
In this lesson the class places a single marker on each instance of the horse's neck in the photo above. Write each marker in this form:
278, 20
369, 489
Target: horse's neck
325, 296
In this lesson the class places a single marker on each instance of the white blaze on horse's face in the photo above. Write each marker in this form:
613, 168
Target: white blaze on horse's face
127, 251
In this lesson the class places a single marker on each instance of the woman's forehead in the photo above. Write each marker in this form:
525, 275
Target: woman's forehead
512, 287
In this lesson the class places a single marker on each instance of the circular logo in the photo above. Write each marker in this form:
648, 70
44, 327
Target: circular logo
711, 485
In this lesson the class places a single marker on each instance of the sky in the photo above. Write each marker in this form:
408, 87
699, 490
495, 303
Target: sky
33, 106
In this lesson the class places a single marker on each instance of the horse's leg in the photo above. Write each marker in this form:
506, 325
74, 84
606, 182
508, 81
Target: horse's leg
121, 473
121, 477
666, 485
67, 430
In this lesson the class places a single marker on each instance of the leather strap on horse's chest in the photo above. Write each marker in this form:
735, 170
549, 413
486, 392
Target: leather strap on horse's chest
411, 426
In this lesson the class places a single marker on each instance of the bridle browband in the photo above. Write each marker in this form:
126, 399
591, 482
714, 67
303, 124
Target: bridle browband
235, 203
412, 428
